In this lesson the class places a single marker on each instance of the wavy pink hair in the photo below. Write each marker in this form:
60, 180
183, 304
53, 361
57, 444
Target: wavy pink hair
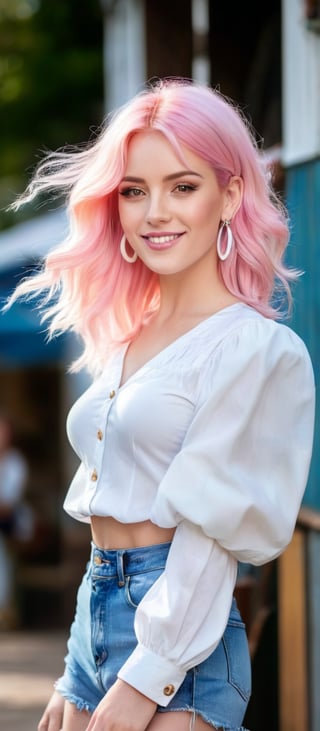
91, 289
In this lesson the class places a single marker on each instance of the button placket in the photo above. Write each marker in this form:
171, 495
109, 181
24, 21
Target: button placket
100, 436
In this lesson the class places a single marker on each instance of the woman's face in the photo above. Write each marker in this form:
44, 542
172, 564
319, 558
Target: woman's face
170, 211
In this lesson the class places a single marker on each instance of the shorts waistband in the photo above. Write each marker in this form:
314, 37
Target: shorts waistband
109, 563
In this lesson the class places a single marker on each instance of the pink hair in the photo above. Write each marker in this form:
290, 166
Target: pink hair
96, 293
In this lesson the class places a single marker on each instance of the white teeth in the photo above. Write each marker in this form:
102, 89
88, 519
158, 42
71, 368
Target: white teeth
162, 239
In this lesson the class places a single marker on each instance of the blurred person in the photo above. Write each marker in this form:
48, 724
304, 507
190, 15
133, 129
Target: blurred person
14, 518
195, 435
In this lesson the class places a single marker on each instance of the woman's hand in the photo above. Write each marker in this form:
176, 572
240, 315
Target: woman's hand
122, 709
53, 714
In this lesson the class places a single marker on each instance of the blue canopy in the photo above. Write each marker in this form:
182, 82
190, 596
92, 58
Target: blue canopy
23, 339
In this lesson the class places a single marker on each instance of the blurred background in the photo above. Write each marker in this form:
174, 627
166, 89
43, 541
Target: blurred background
63, 66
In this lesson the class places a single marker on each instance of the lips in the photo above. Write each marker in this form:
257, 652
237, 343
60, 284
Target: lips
162, 241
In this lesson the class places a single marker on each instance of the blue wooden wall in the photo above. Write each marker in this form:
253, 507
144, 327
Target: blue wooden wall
303, 203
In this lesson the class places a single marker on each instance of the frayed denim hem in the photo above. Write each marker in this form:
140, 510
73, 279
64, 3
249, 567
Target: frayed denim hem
80, 704
214, 724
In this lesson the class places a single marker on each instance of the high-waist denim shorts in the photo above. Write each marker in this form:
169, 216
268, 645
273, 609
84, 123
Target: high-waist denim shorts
102, 637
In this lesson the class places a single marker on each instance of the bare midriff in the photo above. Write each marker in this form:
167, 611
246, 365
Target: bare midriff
108, 533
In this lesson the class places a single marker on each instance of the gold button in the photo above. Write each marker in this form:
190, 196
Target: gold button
94, 476
112, 394
99, 434
168, 689
97, 560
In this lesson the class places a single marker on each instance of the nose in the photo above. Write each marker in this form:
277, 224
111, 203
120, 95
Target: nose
157, 210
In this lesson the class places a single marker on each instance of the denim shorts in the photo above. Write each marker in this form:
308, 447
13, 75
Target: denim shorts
102, 637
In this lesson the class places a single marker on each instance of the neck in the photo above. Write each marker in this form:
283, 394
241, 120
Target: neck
188, 294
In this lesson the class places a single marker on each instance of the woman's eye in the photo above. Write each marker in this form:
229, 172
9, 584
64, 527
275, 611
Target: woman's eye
185, 187
131, 192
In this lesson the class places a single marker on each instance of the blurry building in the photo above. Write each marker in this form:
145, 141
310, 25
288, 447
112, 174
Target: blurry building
36, 391
299, 576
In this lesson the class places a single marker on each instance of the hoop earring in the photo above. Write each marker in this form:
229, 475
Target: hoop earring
130, 259
224, 254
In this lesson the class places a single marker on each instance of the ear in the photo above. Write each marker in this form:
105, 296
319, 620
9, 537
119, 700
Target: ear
232, 198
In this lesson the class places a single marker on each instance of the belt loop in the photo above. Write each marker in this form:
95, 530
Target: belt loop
120, 570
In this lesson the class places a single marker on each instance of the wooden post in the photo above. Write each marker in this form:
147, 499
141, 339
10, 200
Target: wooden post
168, 38
293, 670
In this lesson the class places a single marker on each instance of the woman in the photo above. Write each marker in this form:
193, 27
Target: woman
195, 435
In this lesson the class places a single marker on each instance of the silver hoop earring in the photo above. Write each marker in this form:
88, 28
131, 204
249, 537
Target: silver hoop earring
224, 254
130, 259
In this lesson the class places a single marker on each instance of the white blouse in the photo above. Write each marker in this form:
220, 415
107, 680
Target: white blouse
212, 436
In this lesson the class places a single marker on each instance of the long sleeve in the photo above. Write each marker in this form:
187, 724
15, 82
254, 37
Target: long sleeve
234, 491
183, 616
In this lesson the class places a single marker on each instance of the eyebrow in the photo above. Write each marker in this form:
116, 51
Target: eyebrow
172, 176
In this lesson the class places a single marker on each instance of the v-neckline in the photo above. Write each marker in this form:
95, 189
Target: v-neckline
123, 352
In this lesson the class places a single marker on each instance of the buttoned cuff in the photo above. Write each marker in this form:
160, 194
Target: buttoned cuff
152, 675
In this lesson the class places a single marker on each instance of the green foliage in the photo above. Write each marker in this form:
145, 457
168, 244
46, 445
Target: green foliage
51, 83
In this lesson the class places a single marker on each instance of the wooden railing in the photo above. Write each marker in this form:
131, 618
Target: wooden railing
299, 627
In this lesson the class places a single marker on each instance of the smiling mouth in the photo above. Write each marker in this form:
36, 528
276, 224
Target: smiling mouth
162, 242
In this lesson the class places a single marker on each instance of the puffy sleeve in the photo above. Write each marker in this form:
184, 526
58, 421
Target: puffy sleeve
233, 491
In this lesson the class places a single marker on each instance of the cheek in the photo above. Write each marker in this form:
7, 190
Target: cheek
205, 214
129, 215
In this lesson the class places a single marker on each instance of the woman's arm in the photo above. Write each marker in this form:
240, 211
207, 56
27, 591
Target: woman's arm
183, 616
